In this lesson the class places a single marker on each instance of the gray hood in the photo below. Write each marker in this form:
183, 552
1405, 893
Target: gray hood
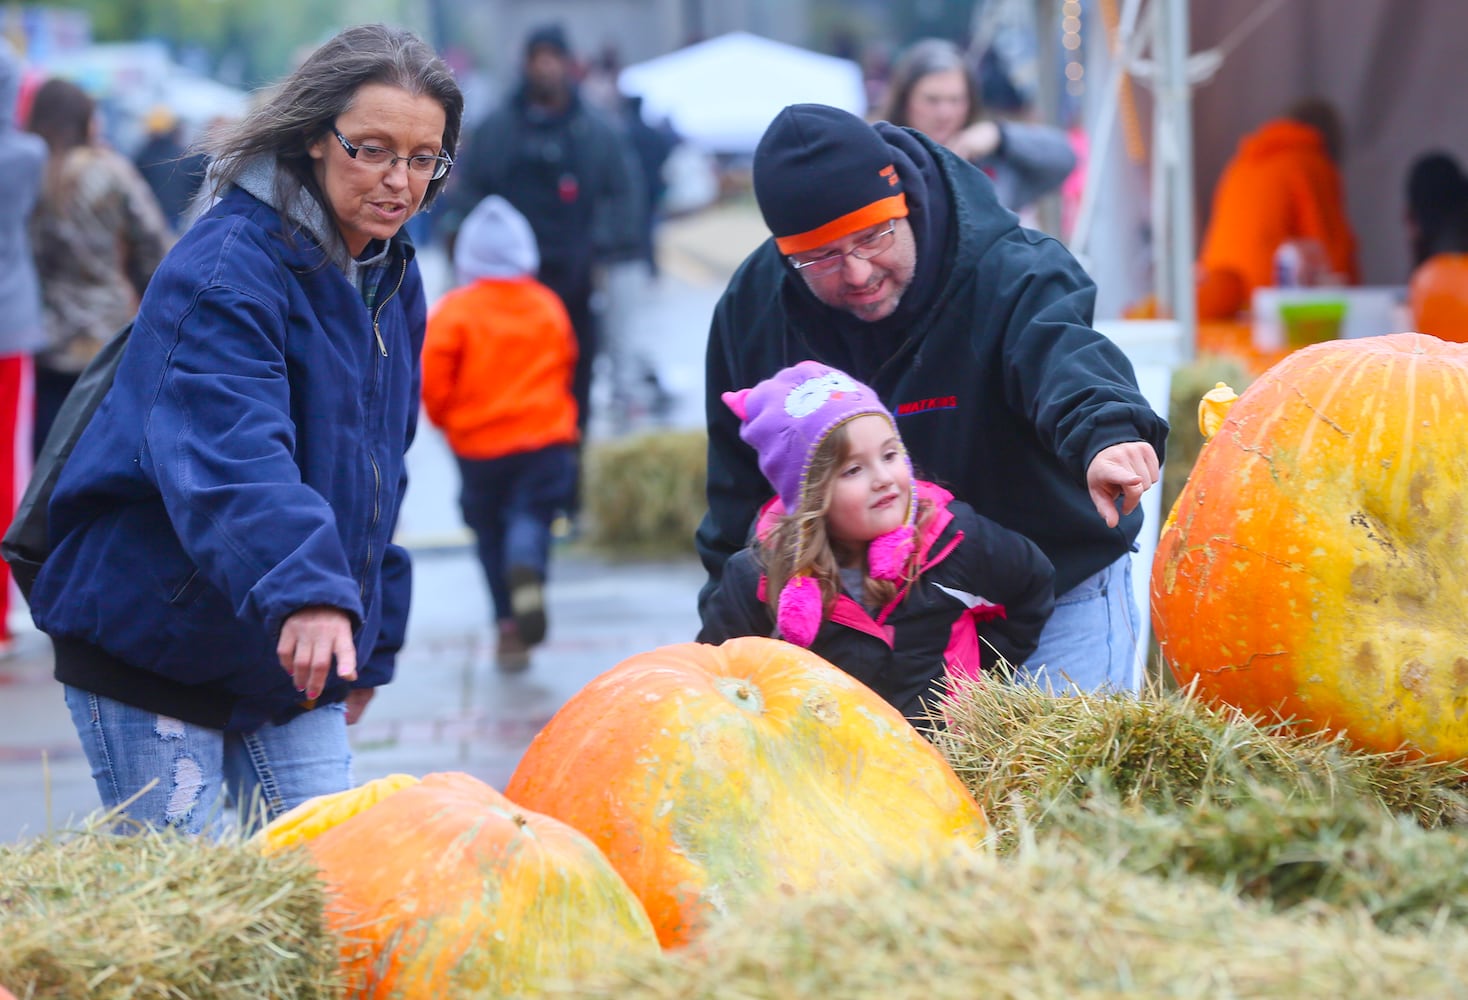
23, 160
258, 178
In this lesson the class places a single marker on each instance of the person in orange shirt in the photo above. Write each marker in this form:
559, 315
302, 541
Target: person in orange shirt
498, 360
1282, 185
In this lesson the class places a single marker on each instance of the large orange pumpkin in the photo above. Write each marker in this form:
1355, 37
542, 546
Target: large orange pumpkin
711, 775
1315, 566
444, 888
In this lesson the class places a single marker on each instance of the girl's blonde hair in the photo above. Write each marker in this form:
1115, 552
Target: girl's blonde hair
800, 545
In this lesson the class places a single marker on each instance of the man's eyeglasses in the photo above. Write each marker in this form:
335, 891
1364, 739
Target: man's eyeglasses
422, 164
865, 250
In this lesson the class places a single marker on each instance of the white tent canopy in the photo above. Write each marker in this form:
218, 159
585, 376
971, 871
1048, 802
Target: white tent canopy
721, 94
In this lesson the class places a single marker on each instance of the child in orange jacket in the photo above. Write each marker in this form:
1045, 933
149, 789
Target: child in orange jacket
498, 360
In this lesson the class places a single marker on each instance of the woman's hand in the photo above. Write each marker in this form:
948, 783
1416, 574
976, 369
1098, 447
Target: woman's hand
979, 140
310, 640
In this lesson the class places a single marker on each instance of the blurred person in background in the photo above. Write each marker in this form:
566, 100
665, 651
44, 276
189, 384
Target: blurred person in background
498, 364
223, 592
570, 170
1282, 188
172, 170
98, 236
1437, 233
933, 91
23, 161
652, 143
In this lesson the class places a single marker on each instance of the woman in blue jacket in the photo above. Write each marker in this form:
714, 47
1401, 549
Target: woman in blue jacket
223, 592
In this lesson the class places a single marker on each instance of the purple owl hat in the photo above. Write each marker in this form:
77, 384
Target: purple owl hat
785, 419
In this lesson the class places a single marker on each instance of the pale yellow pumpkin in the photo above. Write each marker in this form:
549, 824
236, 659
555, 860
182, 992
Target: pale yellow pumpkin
444, 888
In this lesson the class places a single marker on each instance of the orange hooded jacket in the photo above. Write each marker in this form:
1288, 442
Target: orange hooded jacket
1280, 185
497, 364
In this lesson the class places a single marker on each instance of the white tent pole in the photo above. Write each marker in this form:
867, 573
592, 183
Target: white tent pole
1103, 132
1173, 168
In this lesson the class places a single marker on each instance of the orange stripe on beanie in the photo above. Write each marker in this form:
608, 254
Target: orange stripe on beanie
821, 173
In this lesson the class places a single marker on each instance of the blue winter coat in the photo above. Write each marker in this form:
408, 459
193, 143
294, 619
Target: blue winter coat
248, 462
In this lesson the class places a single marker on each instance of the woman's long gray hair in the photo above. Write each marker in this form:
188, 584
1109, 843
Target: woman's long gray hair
303, 107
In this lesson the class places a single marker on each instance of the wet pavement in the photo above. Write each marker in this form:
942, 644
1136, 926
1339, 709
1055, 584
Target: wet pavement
449, 708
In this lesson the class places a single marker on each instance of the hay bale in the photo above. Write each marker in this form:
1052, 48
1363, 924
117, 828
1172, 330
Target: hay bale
644, 494
1021, 750
1285, 850
1043, 924
156, 914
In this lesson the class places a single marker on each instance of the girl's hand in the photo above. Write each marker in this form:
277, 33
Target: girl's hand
310, 640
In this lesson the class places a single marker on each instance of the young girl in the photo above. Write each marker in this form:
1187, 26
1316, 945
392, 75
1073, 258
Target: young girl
887, 577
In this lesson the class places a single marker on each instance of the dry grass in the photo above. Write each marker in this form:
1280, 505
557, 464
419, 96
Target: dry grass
1021, 751
1045, 923
644, 494
1289, 851
159, 915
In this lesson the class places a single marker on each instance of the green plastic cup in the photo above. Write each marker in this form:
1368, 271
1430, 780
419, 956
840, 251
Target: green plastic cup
1307, 323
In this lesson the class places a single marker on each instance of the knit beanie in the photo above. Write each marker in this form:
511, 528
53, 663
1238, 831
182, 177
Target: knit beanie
495, 241
785, 419
552, 36
821, 173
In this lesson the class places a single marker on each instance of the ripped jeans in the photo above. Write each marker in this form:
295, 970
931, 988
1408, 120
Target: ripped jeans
199, 770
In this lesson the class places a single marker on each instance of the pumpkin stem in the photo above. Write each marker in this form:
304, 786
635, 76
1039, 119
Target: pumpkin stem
742, 693
1214, 407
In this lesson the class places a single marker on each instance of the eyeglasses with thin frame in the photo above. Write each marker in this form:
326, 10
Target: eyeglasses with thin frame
422, 164
865, 250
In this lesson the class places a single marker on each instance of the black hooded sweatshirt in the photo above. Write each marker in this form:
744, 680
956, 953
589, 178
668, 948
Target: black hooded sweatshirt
1002, 390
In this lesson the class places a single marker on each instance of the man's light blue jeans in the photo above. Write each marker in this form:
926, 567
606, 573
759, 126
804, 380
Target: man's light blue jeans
1090, 642
198, 770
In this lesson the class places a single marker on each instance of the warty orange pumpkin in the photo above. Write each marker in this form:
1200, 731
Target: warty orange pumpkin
1315, 566
444, 888
715, 775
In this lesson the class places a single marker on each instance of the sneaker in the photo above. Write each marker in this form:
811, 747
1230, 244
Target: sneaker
512, 655
527, 601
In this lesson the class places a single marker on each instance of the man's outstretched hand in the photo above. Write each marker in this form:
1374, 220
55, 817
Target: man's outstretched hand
1121, 472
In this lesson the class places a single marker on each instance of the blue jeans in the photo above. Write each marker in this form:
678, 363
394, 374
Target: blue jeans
197, 769
509, 504
1090, 642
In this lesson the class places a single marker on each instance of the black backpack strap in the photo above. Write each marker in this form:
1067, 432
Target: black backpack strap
27, 542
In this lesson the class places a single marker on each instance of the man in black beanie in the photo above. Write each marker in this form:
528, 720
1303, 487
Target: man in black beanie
891, 259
